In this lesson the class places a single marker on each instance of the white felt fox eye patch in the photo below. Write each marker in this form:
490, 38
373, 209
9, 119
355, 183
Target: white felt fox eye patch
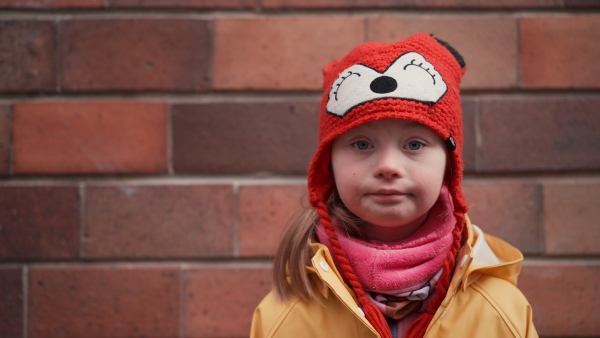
409, 77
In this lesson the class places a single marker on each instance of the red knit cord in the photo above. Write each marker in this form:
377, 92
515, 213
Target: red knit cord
374, 316
420, 325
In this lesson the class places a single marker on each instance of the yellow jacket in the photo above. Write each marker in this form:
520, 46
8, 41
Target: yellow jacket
482, 299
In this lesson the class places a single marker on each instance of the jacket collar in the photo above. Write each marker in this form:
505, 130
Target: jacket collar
479, 254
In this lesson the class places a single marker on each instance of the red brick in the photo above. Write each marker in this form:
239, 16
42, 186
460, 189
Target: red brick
508, 210
265, 213
563, 296
27, 56
90, 137
186, 3
469, 107
244, 137
560, 51
504, 4
39, 223
540, 133
159, 221
6, 121
280, 52
52, 3
219, 302
488, 43
104, 301
334, 3
134, 54
11, 302
571, 217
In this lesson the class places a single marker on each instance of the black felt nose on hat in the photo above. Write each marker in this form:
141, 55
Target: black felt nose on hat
383, 85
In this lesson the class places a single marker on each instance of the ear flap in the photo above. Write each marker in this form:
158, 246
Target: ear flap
454, 52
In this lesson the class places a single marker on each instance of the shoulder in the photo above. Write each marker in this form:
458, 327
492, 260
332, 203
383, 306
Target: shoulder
489, 307
326, 317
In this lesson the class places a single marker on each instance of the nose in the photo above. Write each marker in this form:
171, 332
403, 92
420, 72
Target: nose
389, 164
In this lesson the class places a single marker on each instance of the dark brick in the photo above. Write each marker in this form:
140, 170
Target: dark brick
6, 121
280, 52
11, 302
560, 51
504, 4
572, 284
27, 56
582, 3
39, 223
469, 107
540, 133
185, 3
334, 3
131, 221
41, 4
244, 137
135, 54
571, 217
220, 301
487, 43
104, 301
91, 137
265, 213
508, 210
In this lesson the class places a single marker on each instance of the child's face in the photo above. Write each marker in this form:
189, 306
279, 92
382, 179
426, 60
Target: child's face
389, 173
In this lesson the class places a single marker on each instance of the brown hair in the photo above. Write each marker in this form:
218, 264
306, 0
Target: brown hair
290, 280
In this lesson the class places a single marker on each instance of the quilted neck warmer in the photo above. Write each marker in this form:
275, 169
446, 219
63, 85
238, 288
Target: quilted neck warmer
406, 265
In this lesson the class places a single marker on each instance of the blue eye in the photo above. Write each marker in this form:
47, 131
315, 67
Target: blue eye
414, 145
362, 145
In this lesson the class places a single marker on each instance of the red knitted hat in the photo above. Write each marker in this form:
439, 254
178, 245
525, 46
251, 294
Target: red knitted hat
416, 79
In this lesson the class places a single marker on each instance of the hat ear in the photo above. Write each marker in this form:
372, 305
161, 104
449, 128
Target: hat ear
455, 53
328, 68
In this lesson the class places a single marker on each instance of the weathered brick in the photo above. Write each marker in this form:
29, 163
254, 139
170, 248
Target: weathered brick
488, 43
39, 223
582, 3
52, 3
572, 284
159, 221
560, 51
280, 52
508, 210
6, 121
219, 302
90, 137
104, 301
540, 133
27, 56
334, 3
11, 302
571, 217
244, 137
135, 54
265, 212
469, 107
504, 4
186, 3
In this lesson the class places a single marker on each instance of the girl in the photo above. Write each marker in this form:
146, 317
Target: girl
387, 249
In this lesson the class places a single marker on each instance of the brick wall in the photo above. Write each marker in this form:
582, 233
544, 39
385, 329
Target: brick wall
151, 151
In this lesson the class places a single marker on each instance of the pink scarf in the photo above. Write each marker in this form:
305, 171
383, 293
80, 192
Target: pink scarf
403, 266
